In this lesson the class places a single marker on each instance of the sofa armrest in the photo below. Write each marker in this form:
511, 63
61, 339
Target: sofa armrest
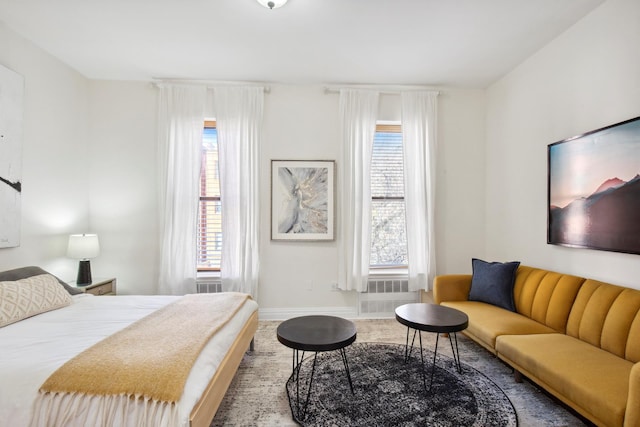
632, 414
451, 287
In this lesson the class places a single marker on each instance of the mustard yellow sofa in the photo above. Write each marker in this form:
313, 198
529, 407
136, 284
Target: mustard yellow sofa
577, 338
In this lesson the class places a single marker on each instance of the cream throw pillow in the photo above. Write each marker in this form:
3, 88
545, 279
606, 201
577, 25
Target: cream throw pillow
28, 297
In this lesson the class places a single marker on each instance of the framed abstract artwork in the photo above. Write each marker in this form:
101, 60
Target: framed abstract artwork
302, 199
11, 104
594, 189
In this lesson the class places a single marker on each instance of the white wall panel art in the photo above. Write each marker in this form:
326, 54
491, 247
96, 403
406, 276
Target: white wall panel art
11, 106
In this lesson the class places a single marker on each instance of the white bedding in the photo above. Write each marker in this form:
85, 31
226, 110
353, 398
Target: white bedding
34, 348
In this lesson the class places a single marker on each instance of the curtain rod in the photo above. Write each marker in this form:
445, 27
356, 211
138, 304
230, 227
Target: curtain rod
382, 89
211, 84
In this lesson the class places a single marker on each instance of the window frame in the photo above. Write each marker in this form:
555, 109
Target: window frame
208, 124
380, 269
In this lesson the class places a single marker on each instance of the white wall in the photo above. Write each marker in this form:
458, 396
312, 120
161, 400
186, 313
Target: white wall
54, 171
460, 210
123, 196
587, 78
300, 122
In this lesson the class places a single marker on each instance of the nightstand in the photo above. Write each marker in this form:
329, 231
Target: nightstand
98, 287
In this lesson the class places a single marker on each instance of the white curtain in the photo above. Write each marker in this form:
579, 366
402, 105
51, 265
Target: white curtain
238, 113
419, 143
181, 116
358, 113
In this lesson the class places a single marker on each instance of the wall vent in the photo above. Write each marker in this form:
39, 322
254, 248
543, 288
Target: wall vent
383, 295
387, 286
208, 285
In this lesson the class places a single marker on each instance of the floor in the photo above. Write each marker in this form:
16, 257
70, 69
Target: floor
257, 394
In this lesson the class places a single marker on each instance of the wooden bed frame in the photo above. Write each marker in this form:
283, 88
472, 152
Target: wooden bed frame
206, 408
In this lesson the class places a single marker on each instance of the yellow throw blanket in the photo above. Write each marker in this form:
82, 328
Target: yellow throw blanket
152, 357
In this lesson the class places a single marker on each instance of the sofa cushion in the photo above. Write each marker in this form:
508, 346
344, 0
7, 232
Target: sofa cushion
492, 282
487, 322
632, 416
574, 371
545, 296
451, 287
607, 316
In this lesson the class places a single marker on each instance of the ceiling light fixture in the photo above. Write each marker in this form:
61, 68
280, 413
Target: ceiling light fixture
272, 4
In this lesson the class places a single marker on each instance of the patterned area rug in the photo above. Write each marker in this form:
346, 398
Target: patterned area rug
390, 391
258, 398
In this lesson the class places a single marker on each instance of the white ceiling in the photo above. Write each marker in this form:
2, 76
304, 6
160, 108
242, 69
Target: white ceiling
464, 43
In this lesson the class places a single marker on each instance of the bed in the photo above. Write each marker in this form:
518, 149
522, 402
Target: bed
34, 348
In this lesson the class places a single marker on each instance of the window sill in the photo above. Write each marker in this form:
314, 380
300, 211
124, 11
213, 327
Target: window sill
373, 273
208, 274
402, 272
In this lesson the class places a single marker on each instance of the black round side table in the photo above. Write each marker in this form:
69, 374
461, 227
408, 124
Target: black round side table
317, 334
432, 318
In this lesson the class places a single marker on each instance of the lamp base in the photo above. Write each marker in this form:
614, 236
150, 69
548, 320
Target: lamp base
84, 273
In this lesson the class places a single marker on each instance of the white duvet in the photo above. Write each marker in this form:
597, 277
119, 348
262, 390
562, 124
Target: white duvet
32, 349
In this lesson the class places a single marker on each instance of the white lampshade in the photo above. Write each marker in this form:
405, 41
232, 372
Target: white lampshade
83, 246
272, 4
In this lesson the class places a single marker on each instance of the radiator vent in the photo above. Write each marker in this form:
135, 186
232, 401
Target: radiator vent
383, 295
387, 286
208, 286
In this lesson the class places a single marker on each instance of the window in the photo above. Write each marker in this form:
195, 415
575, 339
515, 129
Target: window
388, 228
209, 213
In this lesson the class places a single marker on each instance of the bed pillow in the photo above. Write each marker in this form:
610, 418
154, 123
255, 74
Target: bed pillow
25, 272
27, 297
492, 282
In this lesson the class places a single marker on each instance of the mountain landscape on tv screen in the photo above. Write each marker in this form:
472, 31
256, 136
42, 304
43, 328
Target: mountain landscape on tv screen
608, 219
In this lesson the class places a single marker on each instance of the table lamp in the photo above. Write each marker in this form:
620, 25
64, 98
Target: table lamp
83, 247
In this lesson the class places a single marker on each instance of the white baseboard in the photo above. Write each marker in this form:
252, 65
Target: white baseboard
288, 313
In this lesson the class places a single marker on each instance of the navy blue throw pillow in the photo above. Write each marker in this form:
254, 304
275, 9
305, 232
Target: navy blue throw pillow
492, 282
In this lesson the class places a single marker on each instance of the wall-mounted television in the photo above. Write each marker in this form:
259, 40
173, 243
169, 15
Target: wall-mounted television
594, 189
